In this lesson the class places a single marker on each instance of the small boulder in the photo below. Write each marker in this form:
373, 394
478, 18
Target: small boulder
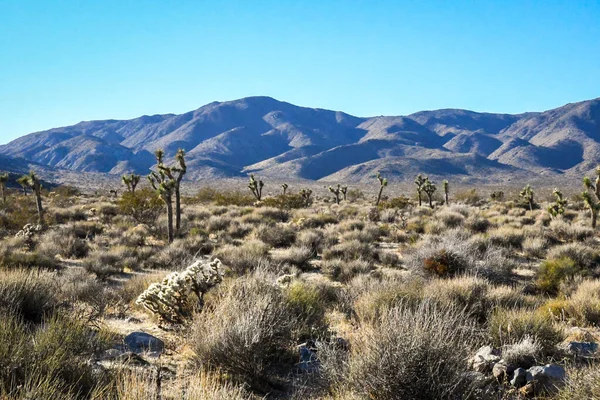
140, 342
519, 378
483, 361
131, 358
546, 378
582, 348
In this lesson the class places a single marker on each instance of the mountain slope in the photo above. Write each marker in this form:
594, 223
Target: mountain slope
273, 138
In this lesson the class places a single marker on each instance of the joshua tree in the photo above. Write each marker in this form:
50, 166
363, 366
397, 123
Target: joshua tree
587, 182
336, 192
180, 170
344, 191
429, 189
591, 203
284, 187
382, 183
558, 208
306, 193
3, 180
445, 184
165, 187
256, 187
527, 194
497, 195
24, 182
113, 192
34, 183
131, 181
419, 181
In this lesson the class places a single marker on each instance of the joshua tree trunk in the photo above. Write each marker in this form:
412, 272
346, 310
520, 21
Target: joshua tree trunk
3, 193
379, 195
531, 203
40, 209
594, 217
177, 207
446, 198
419, 193
430, 203
170, 219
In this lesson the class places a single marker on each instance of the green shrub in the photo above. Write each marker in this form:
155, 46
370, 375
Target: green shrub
554, 271
287, 202
144, 206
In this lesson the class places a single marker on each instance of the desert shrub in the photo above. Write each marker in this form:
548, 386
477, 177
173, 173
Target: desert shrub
389, 259
584, 257
450, 219
308, 302
512, 326
14, 259
367, 235
569, 231
144, 206
464, 292
104, 263
350, 250
535, 246
180, 253
245, 257
522, 354
398, 203
298, 256
246, 331
287, 202
368, 297
506, 236
355, 194
452, 253
470, 197
311, 238
267, 214
425, 349
318, 220
62, 216
62, 242
217, 223
276, 235
343, 271
28, 295
238, 230
581, 308
553, 272
477, 224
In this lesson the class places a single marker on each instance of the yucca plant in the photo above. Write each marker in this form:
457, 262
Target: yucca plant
420, 181
336, 191
382, 184
306, 193
164, 186
256, 187
34, 183
558, 208
527, 195
24, 183
429, 188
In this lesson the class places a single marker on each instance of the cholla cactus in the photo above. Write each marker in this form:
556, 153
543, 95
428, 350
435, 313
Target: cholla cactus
445, 184
382, 183
256, 187
171, 299
527, 194
420, 181
558, 208
429, 188
336, 191
284, 187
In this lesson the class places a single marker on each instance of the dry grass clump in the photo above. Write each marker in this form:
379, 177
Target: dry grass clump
245, 257
464, 292
522, 354
351, 250
511, 326
535, 247
311, 238
246, 331
273, 214
581, 383
507, 237
277, 235
62, 242
178, 254
28, 294
218, 223
450, 218
343, 271
106, 263
581, 308
298, 256
425, 350
570, 232
584, 256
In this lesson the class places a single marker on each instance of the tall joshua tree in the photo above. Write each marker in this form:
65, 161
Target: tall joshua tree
593, 205
336, 191
256, 187
527, 195
306, 193
34, 183
3, 181
24, 182
445, 184
429, 188
164, 186
382, 183
131, 181
180, 170
284, 187
344, 190
419, 181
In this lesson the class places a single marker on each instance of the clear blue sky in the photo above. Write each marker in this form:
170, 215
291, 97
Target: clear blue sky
66, 61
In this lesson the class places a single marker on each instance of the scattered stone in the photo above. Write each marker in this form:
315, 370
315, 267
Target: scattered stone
582, 348
308, 358
519, 378
484, 359
139, 342
131, 358
478, 380
502, 371
550, 373
111, 354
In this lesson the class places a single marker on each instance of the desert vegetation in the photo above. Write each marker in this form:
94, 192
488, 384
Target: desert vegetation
291, 292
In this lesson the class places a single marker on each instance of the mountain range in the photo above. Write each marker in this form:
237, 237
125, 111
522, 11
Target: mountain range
277, 139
